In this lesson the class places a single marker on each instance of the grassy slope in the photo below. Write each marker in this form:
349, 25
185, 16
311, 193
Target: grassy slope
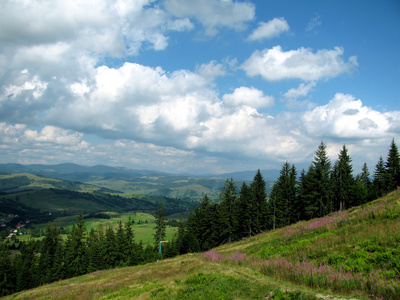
361, 245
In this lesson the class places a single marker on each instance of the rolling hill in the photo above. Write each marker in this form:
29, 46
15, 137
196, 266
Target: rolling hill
33, 196
140, 182
348, 254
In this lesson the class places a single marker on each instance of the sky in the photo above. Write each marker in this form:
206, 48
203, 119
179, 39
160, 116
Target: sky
198, 87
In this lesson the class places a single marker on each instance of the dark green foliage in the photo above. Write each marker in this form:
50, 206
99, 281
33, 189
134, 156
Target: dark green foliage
7, 273
284, 197
321, 181
50, 246
75, 250
363, 186
228, 212
259, 203
343, 182
379, 179
160, 228
392, 168
247, 215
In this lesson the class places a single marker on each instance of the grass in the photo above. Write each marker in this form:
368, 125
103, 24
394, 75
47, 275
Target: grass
185, 277
347, 255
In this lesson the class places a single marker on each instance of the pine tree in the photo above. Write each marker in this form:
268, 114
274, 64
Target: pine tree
227, 208
321, 181
110, 249
363, 186
344, 181
379, 180
259, 203
75, 249
283, 196
160, 228
120, 246
245, 207
203, 218
129, 243
308, 194
50, 244
392, 167
95, 251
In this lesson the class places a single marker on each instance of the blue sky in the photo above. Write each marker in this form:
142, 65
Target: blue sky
207, 86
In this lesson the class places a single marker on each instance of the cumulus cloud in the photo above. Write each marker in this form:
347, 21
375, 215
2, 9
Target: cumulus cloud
346, 117
213, 14
248, 96
301, 91
275, 64
211, 70
272, 28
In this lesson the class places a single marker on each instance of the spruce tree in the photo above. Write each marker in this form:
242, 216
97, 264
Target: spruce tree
129, 243
283, 196
227, 208
344, 181
160, 228
50, 244
259, 203
321, 181
392, 168
363, 186
95, 252
309, 193
75, 249
204, 217
245, 207
109, 247
379, 180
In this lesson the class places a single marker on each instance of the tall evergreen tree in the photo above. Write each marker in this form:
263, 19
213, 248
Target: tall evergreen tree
309, 194
227, 208
322, 182
392, 167
204, 218
160, 228
284, 195
245, 207
259, 203
363, 186
129, 244
344, 181
379, 180
50, 244
75, 249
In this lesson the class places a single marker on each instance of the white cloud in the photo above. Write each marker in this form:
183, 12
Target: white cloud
272, 28
275, 64
249, 97
213, 14
301, 91
334, 120
211, 70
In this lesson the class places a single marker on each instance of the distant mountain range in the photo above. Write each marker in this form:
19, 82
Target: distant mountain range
70, 171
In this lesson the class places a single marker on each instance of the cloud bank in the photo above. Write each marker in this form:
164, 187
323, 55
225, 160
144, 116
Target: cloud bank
61, 101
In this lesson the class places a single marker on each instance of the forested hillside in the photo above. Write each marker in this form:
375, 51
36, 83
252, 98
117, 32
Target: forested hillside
364, 240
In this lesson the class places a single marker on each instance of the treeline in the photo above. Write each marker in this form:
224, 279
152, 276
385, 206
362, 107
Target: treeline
321, 189
52, 259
